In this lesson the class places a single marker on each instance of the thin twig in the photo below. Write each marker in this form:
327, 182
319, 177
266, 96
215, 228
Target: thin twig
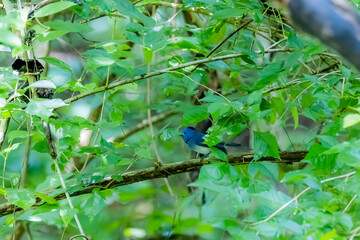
224, 40
157, 160
145, 123
297, 196
25, 162
102, 103
354, 233
68, 198
349, 204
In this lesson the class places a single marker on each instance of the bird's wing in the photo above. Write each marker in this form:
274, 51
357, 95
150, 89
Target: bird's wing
199, 139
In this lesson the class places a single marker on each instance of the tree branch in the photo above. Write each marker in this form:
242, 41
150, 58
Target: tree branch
178, 6
158, 4
163, 172
162, 71
145, 123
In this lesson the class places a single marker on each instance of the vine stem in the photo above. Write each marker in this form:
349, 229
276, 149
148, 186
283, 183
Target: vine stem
102, 104
25, 162
68, 198
157, 160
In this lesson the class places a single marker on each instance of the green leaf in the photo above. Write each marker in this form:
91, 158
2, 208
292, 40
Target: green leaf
209, 97
21, 197
258, 43
68, 26
143, 153
47, 36
267, 168
53, 8
46, 198
116, 114
295, 41
194, 114
228, 13
258, 17
38, 109
169, 133
43, 84
127, 8
19, 134
321, 157
265, 145
311, 78
41, 147
53, 103
215, 136
218, 109
9, 39
57, 63
2, 191
43, 108
345, 72
278, 105
295, 115
351, 119
67, 215
269, 74
128, 65
348, 153
93, 205
148, 54
327, 141
218, 177
186, 43
10, 148
98, 58
330, 235
219, 154
52, 181
218, 65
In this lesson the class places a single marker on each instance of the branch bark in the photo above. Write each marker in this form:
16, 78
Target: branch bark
118, 83
145, 123
163, 172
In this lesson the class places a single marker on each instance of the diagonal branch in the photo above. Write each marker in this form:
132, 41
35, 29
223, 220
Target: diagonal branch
165, 171
162, 71
145, 123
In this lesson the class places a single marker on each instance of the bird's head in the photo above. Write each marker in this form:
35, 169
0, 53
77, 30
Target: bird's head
188, 133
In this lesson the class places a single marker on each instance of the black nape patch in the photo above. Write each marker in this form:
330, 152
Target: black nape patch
32, 66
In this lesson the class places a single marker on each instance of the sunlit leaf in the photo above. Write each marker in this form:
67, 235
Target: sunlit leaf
53, 8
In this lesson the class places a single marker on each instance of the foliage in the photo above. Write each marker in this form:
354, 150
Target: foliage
278, 89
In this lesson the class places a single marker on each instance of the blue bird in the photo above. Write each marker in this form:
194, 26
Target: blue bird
195, 141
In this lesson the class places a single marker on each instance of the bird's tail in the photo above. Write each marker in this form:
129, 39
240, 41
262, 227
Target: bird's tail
231, 144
